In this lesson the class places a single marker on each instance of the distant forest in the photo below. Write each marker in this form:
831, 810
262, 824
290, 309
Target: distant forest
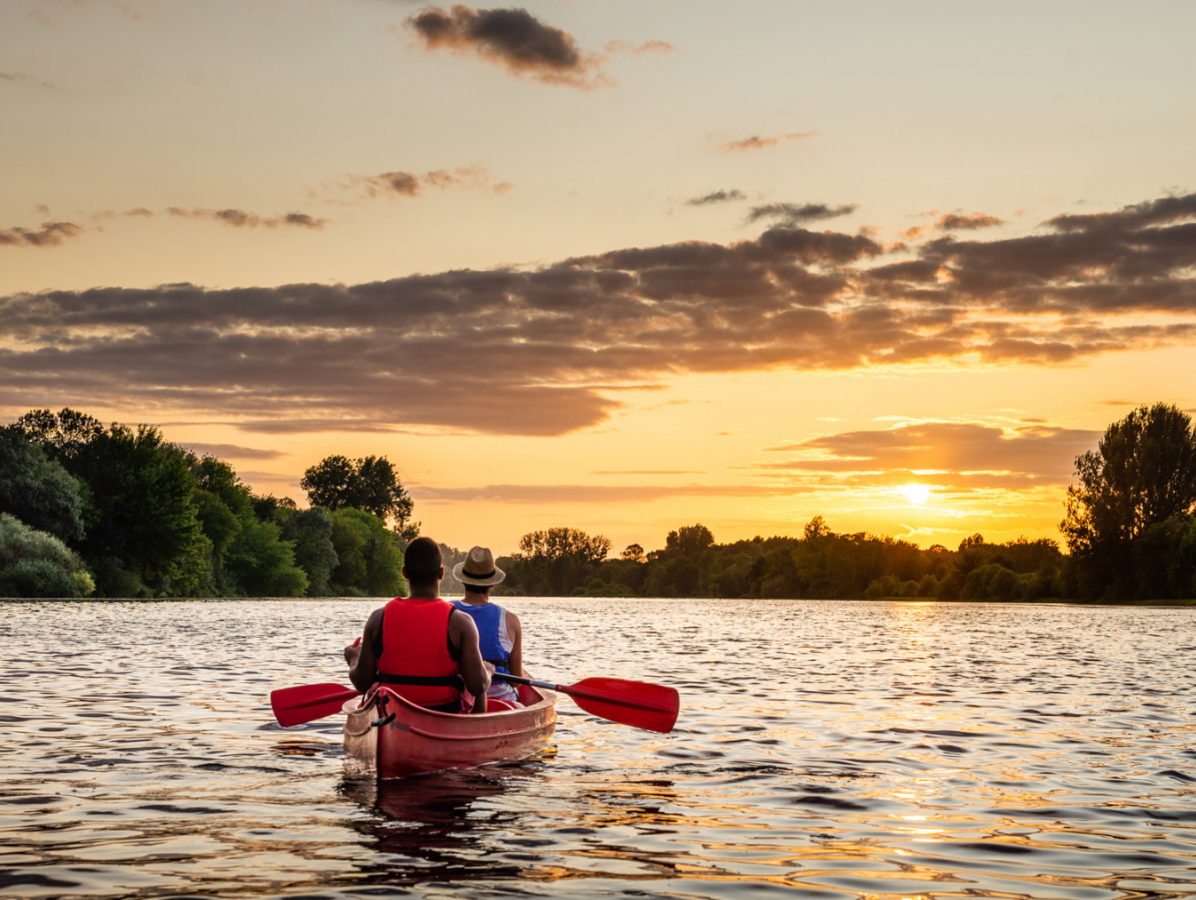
89, 510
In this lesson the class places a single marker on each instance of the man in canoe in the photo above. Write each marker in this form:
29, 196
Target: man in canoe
498, 629
420, 644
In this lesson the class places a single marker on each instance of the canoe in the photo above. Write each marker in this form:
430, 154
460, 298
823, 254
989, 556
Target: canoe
395, 738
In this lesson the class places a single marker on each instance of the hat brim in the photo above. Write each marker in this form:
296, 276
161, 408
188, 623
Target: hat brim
460, 574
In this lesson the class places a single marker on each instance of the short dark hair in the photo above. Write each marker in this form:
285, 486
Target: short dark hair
422, 560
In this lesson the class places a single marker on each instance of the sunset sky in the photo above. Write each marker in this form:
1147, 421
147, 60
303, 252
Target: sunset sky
622, 266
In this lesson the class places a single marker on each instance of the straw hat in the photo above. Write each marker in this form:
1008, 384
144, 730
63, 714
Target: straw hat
479, 568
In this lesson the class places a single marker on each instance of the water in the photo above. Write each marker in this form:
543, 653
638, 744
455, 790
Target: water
846, 750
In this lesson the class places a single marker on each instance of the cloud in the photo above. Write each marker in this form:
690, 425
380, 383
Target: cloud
589, 493
553, 348
663, 47
406, 184
22, 77
755, 142
716, 197
51, 234
961, 453
239, 218
793, 214
512, 38
231, 451
955, 222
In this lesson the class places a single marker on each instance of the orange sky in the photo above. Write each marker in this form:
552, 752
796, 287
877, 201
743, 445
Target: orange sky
619, 266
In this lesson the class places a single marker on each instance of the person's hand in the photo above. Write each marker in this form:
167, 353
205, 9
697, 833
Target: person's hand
352, 652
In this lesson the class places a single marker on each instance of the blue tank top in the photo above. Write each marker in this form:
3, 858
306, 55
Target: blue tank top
490, 620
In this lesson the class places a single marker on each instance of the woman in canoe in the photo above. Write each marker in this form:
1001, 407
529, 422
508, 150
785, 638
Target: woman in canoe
499, 631
420, 644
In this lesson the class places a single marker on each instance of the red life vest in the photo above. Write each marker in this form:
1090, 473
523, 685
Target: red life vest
415, 655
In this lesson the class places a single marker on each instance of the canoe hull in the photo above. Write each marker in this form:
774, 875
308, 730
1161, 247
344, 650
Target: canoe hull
419, 740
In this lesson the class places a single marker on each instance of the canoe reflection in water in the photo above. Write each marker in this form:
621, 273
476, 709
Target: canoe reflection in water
441, 827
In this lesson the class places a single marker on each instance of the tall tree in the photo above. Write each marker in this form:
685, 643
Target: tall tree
369, 483
1142, 473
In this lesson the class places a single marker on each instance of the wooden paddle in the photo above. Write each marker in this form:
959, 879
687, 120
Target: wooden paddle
636, 703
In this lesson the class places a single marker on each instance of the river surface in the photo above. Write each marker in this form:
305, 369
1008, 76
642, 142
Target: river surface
824, 749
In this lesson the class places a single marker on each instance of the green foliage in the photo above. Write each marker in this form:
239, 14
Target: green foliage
369, 483
369, 560
1142, 474
37, 564
310, 531
262, 564
557, 561
37, 489
141, 519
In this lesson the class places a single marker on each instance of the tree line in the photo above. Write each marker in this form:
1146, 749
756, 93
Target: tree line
121, 512
1129, 529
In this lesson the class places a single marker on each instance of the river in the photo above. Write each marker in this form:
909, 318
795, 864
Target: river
824, 749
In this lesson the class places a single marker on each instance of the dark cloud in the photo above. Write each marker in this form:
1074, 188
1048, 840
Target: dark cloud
231, 451
239, 218
756, 142
551, 349
964, 453
795, 214
956, 222
51, 234
512, 38
716, 197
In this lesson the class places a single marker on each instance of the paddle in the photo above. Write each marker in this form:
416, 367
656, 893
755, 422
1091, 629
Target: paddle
308, 702
636, 703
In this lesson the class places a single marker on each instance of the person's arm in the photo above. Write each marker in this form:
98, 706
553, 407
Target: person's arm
515, 633
464, 635
363, 667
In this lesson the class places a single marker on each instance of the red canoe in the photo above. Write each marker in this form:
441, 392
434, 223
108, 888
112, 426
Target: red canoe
396, 738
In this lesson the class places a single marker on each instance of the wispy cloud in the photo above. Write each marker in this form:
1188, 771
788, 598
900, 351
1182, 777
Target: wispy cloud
717, 197
231, 451
408, 184
239, 218
756, 142
21, 77
51, 234
797, 214
970, 222
553, 348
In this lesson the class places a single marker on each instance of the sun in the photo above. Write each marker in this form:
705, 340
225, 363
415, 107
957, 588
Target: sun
916, 493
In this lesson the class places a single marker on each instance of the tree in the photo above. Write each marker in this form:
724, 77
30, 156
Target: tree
557, 543
369, 483
63, 435
689, 540
143, 534
633, 553
38, 490
1142, 473
310, 530
369, 561
36, 564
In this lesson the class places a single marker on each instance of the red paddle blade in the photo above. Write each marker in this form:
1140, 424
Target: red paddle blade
635, 703
308, 702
